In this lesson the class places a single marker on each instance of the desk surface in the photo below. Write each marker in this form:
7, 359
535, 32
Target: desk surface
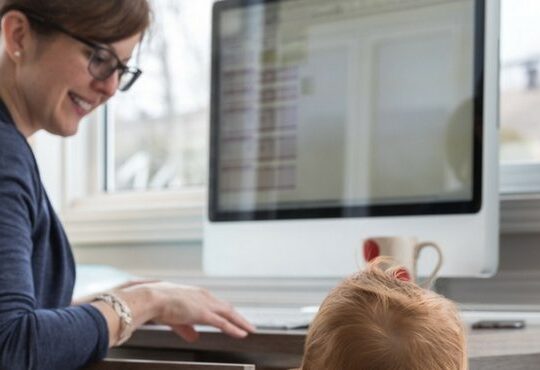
268, 350
264, 341
482, 343
283, 349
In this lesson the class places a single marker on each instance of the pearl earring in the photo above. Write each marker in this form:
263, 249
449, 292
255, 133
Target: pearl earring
17, 53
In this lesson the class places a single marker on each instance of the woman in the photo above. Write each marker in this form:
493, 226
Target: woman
59, 60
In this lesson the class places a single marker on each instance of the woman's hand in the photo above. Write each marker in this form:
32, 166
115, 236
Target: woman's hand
130, 283
117, 288
181, 307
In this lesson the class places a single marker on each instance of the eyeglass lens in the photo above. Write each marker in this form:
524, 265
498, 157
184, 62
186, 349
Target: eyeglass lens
103, 64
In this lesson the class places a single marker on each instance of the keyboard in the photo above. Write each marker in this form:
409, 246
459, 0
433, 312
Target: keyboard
275, 318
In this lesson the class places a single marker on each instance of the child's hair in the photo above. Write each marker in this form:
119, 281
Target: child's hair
375, 321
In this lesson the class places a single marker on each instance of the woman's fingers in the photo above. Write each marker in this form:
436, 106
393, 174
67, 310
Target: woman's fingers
227, 311
186, 306
224, 325
236, 319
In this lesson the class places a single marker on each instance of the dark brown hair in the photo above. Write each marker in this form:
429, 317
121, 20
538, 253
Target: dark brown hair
103, 21
374, 321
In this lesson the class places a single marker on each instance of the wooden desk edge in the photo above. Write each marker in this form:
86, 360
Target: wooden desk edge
264, 341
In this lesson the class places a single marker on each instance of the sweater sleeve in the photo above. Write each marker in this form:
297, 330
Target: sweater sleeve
32, 337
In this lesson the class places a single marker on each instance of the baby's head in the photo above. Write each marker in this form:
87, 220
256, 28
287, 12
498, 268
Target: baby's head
374, 321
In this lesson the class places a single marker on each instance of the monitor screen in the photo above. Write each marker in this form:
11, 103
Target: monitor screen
346, 108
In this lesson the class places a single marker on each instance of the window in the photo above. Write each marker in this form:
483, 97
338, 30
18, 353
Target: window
157, 132
135, 172
520, 96
520, 81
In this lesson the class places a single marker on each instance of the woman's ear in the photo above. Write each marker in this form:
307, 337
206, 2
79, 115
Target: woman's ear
15, 34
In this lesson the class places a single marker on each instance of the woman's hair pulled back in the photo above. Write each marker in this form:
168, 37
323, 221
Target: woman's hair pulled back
104, 21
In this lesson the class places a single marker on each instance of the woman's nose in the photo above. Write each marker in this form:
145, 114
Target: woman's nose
108, 86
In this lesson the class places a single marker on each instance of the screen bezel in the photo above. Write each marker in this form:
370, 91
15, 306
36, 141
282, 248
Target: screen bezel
410, 209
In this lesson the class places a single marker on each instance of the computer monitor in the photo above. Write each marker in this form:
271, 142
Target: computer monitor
335, 121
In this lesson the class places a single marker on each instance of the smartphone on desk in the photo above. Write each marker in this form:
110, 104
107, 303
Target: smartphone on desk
498, 324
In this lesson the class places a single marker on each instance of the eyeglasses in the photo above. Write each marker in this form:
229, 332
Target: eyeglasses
103, 62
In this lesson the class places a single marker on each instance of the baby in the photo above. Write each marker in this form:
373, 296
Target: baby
376, 321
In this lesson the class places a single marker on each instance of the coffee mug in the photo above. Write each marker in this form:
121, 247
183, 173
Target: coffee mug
404, 251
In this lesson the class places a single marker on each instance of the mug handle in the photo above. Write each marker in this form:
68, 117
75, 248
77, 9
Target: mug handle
417, 250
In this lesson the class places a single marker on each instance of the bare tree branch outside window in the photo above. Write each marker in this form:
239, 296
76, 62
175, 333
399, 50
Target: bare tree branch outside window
160, 126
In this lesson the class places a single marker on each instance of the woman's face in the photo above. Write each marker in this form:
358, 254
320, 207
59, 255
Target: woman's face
56, 88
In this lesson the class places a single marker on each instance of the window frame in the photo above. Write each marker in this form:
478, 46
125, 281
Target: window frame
93, 217
520, 198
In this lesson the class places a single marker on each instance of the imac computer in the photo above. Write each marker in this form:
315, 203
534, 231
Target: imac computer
336, 121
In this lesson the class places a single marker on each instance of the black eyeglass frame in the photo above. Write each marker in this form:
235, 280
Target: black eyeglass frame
123, 68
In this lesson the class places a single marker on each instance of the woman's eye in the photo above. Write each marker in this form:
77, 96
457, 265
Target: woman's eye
102, 56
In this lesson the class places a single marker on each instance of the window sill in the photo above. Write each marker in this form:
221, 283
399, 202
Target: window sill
520, 213
131, 218
177, 217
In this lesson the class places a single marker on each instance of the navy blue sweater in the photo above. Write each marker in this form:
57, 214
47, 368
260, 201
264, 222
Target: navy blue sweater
38, 328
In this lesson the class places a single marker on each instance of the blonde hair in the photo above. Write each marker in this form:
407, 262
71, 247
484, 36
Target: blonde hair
374, 321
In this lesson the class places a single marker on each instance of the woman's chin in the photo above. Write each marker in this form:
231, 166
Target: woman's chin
64, 130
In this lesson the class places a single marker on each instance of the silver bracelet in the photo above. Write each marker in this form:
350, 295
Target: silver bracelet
124, 313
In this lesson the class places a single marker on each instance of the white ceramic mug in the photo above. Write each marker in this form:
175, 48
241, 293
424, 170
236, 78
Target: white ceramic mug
404, 251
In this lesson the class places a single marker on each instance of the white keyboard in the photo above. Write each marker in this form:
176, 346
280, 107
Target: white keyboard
279, 318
